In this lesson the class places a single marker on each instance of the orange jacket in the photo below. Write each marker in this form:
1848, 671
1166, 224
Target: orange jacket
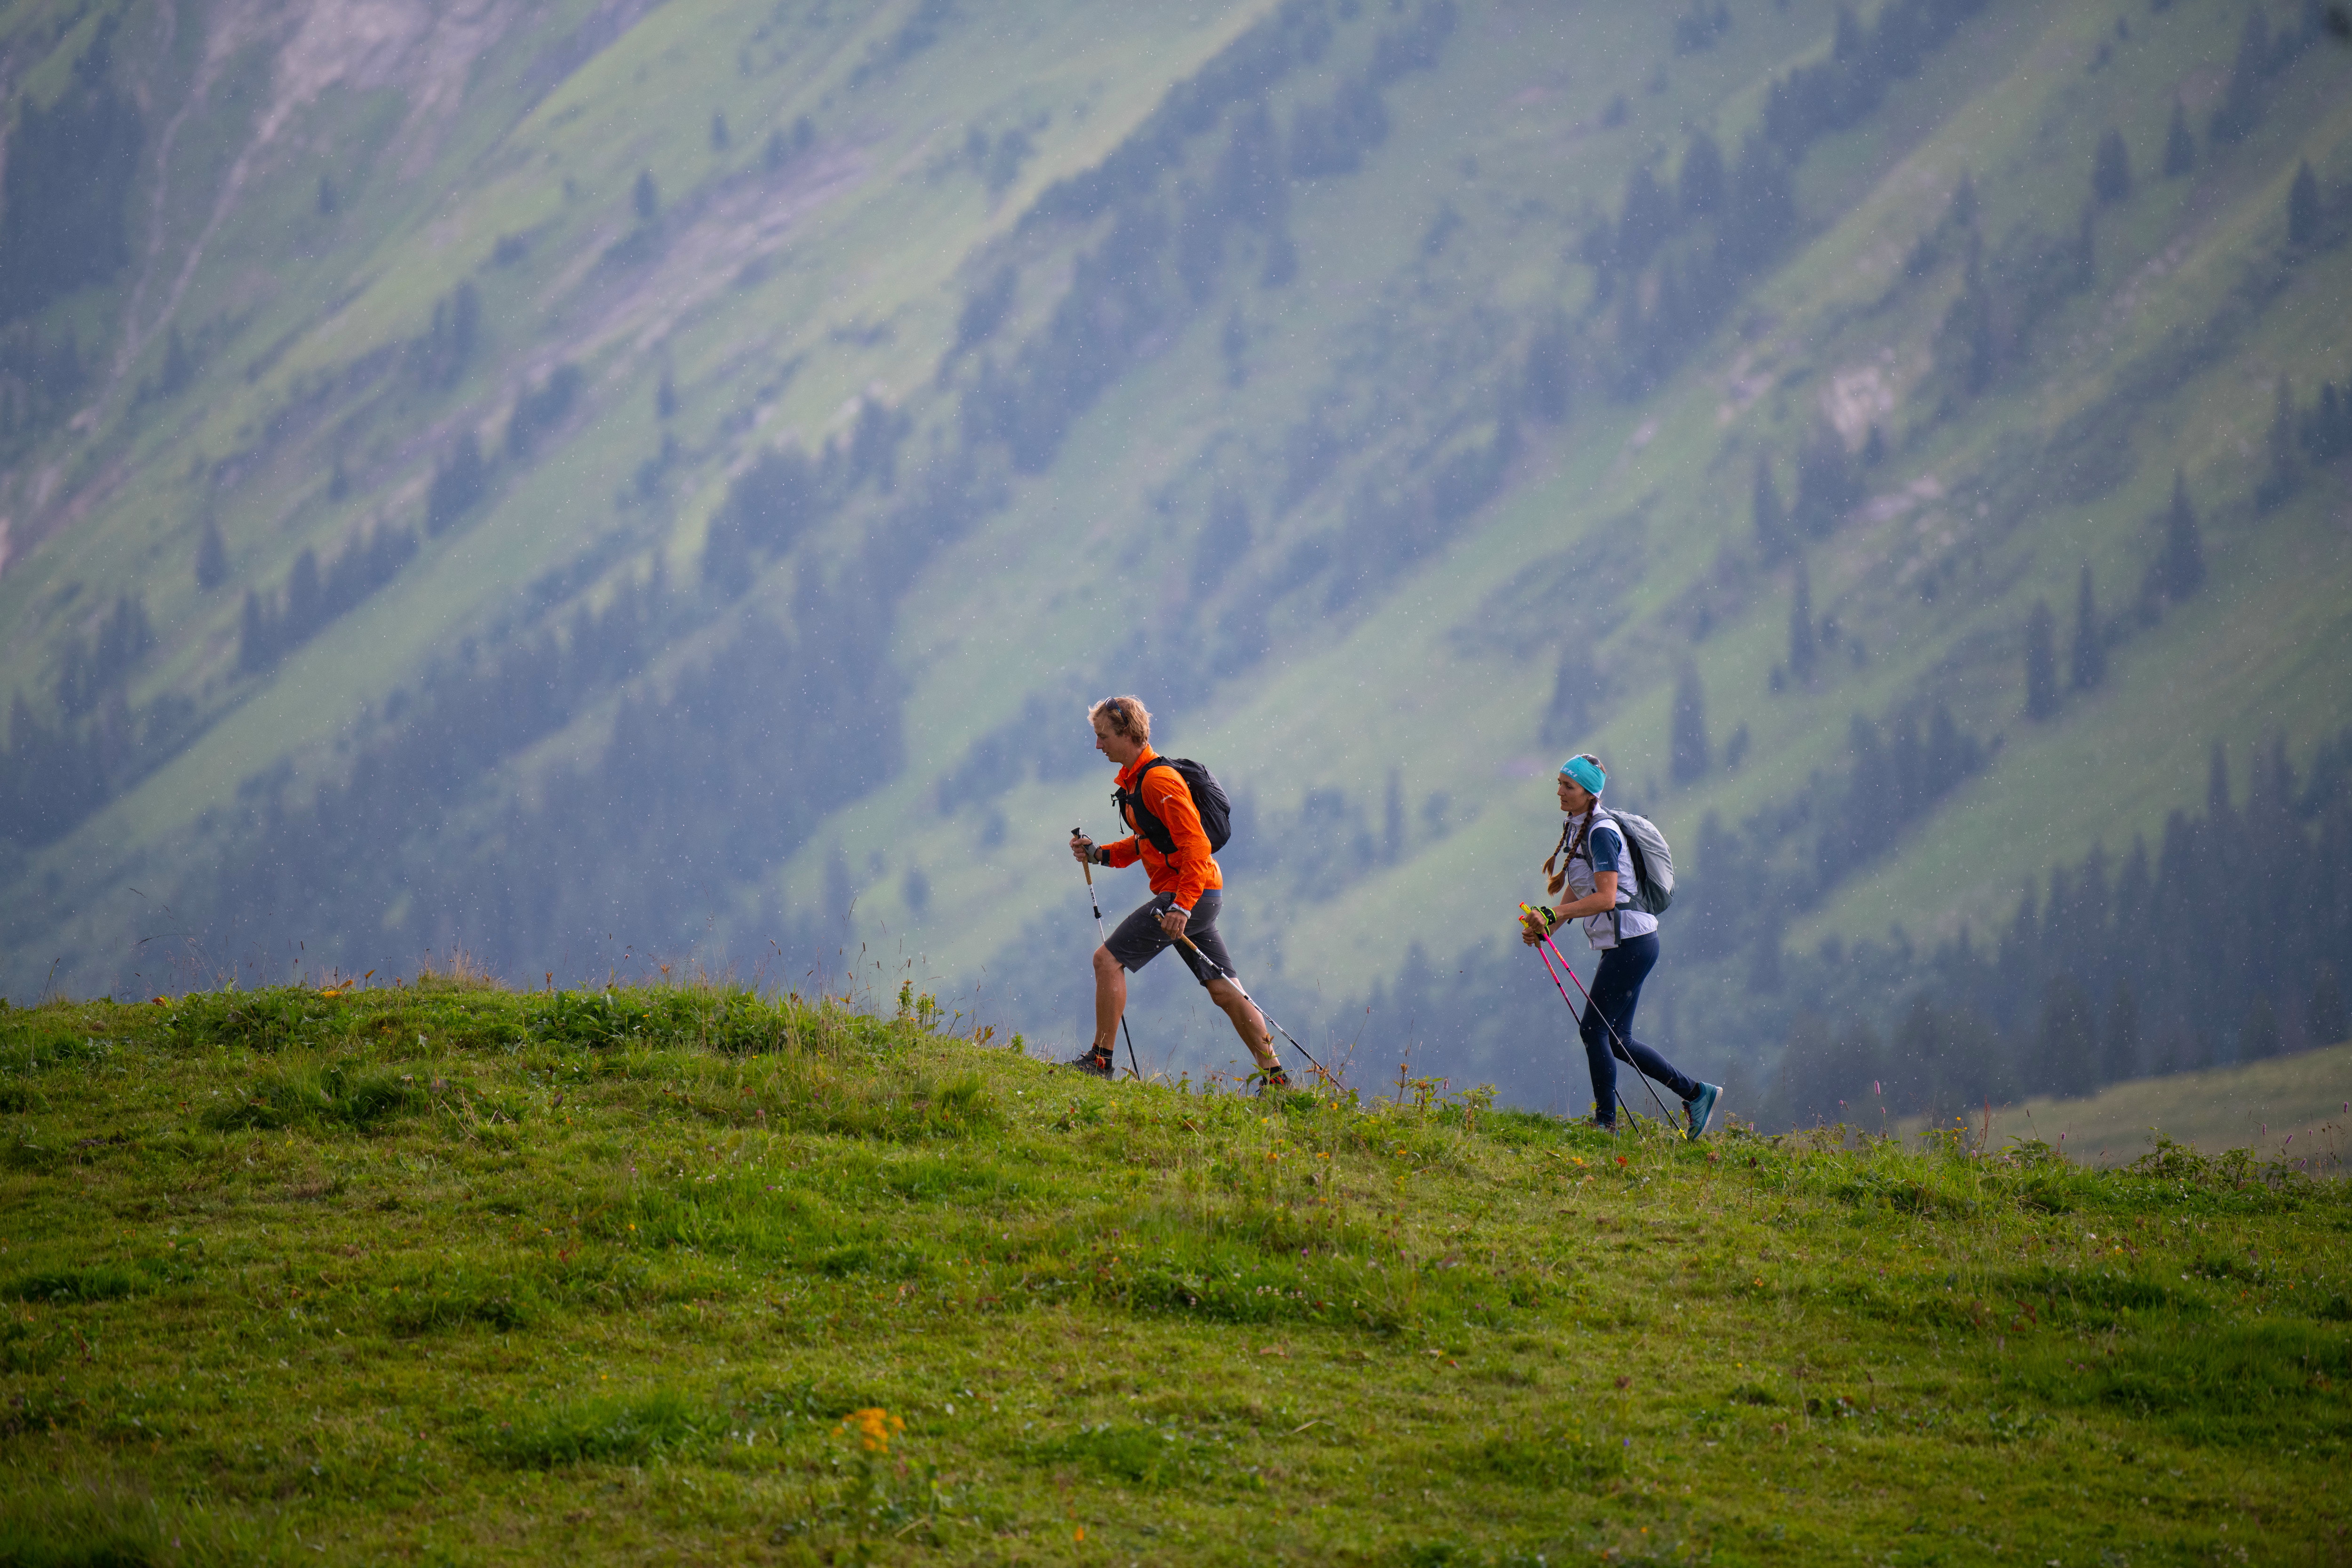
1192, 871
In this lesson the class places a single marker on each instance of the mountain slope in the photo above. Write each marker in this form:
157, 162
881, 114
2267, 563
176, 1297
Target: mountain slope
1380, 391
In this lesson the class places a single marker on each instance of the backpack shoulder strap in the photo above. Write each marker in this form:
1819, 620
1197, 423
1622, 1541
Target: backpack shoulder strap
1147, 821
1632, 845
1625, 841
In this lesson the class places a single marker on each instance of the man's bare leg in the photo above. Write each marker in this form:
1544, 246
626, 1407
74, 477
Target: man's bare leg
1247, 1021
1110, 1001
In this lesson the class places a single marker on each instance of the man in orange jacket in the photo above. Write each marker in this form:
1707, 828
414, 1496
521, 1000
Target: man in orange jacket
1187, 891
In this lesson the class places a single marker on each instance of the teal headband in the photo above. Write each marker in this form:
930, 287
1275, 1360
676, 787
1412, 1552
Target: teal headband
1586, 773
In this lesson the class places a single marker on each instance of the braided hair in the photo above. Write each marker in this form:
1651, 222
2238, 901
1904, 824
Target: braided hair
1566, 851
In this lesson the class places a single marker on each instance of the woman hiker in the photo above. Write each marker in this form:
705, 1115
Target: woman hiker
1598, 877
1188, 891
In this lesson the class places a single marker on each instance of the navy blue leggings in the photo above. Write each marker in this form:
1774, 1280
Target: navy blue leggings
1616, 989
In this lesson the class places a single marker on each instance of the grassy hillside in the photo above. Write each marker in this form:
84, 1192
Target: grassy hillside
445, 1272
728, 445
2284, 1109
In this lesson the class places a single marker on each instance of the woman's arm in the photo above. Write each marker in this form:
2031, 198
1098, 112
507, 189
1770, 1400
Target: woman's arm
1600, 901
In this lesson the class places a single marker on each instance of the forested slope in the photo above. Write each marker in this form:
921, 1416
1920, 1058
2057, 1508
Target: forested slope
598, 482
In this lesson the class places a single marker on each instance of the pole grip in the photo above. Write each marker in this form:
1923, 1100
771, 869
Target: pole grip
1086, 866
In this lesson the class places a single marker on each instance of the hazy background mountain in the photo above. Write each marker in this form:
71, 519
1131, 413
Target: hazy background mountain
594, 485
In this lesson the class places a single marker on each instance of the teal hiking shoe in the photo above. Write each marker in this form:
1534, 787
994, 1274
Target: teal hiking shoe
1702, 1109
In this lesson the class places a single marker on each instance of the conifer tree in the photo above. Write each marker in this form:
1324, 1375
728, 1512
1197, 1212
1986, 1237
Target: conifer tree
645, 197
2068, 1049
2040, 661
254, 652
2324, 1017
2090, 661
212, 557
2218, 815
1549, 366
2303, 206
1643, 219
1700, 185
2259, 1040
1966, 341
2241, 99
2111, 169
2284, 472
1803, 650
305, 599
458, 482
1827, 485
1576, 689
1771, 517
1690, 760
2119, 1050
2179, 144
62, 190
2183, 569
1761, 206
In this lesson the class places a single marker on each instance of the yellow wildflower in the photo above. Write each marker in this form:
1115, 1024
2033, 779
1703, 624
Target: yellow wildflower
874, 1426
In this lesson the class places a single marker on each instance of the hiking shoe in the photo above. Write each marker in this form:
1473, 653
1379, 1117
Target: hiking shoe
1099, 1063
1271, 1081
1702, 1109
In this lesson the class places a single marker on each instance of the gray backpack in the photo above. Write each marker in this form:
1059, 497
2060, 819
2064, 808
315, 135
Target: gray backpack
1654, 862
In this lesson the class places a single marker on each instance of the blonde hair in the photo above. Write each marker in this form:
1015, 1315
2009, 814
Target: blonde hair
1128, 716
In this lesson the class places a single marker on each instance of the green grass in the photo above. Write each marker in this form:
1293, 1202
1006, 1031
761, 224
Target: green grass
448, 1273
2289, 1108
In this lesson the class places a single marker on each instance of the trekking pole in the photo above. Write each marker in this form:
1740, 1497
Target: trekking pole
1571, 1013
1616, 1043
1087, 866
1225, 974
1615, 1040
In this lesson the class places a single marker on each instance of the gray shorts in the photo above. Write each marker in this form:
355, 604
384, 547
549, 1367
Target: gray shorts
1139, 939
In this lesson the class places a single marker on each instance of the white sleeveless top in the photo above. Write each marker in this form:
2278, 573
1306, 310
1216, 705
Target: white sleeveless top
1604, 850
